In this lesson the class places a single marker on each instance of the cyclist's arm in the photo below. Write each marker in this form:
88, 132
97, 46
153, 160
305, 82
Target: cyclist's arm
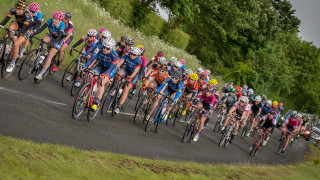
43, 27
136, 70
69, 35
77, 44
243, 115
232, 109
94, 45
58, 38
120, 62
111, 68
91, 60
37, 24
4, 22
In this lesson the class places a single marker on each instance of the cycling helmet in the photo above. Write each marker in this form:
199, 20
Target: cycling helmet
172, 59
250, 90
162, 60
178, 64
92, 32
163, 67
203, 75
200, 70
299, 115
233, 90
269, 102
210, 88
245, 87
135, 50
124, 38
194, 76
142, 49
160, 53
129, 42
209, 72
34, 7
106, 33
21, 4
275, 103
281, 104
205, 72
102, 30
257, 99
68, 15
58, 15
176, 75
213, 81
238, 88
244, 99
182, 61
109, 43
188, 71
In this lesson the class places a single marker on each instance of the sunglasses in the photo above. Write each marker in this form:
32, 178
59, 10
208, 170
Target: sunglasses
33, 11
123, 41
106, 48
175, 66
162, 71
242, 101
203, 79
238, 91
91, 36
133, 54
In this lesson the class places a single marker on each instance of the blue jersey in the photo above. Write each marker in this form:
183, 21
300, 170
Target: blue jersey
54, 31
107, 59
37, 16
265, 110
131, 64
172, 87
171, 70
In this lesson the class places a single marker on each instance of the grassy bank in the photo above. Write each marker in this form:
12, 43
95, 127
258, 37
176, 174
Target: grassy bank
20, 159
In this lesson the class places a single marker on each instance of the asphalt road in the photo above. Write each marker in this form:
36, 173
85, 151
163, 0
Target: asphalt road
43, 113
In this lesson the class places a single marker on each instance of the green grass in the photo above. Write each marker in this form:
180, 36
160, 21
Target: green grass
21, 159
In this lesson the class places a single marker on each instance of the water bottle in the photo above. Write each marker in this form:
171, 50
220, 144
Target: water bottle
164, 108
8, 49
95, 89
41, 58
119, 93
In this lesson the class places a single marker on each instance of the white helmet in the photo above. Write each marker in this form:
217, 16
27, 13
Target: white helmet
257, 98
209, 72
299, 115
173, 59
244, 99
106, 33
188, 71
245, 87
109, 43
200, 70
92, 32
162, 60
178, 64
135, 50
250, 90
269, 102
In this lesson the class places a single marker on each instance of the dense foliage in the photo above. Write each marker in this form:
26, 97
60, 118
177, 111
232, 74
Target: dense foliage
252, 42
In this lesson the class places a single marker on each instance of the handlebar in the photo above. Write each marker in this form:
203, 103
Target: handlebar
75, 51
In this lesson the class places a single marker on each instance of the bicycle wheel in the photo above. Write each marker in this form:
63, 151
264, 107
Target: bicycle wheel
228, 135
253, 151
81, 101
217, 125
75, 89
153, 117
2, 47
141, 110
245, 130
28, 64
177, 114
38, 81
69, 74
281, 145
141, 96
92, 114
109, 100
7, 58
187, 132
54, 62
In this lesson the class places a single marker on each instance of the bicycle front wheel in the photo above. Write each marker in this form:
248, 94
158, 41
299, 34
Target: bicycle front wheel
81, 101
28, 64
69, 74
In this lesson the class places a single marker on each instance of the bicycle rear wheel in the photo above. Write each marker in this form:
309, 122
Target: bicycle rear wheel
54, 62
109, 100
281, 145
92, 114
153, 117
7, 58
69, 73
253, 151
28, 64
37, 81
141, 97
188, 131
141, 110
81, 101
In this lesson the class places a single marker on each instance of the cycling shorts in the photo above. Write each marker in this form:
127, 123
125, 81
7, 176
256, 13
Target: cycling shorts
134, 79
58, 44
67, 43
102, 69
206, 106
186, 92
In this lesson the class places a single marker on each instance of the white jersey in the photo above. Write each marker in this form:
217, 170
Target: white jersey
245, 107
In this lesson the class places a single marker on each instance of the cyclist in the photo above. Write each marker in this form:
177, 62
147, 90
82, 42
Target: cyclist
190, 90
55, 37
183, 67
144, 62
244, 90
186, 76
305, 121
121, 44
90, 40
100, 31
249, 95
171, 62
171, 86
202, 81
256, 109
106, 68
126, 49
206, 101
155, 61
23, 24
131, 71
177, 67
68, 36
226, 89
238, 92
157, 77
208, 78
240, 109
228, 101
268, 123
34, 8
199, 71
266, 108
290, 126
155, 58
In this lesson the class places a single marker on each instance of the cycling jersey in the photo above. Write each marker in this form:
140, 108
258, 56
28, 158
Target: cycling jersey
171, 71
172, 88
53, 30
241, 109
228, 87
37, 20
304, 121
230, 100
131, 64
191, 88
209, 100
255, 108
244, 92
265, 110
292, 123
88, 42
268, 122
202, 86
239, 95
157, 78
69, 27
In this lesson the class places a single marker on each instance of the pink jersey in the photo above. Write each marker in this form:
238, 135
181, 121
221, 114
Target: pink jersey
144, 61
209, 100
245, 107
293, 122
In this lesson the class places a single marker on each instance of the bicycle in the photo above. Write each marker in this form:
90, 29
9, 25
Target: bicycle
143, 92
192, 124
33, 62
86, 96
220, 120
226, 134
156, 116
283, 141
258, 143
179, 107
144, 106
246, 128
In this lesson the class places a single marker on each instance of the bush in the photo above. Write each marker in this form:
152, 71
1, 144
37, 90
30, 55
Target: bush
178, 38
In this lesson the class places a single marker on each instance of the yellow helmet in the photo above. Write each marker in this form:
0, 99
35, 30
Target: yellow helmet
140, 46
213, 82
194, 76
275, 103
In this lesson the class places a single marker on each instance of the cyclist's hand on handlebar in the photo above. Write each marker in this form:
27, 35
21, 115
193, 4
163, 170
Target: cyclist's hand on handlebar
71, 49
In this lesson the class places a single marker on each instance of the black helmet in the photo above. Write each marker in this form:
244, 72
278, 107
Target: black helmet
163, 67
68, 15
124, 38
176, 75
129, 42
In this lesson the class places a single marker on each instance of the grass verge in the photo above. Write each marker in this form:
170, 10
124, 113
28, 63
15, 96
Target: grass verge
21, 159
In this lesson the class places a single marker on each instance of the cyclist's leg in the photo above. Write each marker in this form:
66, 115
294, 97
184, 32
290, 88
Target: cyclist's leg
287, 141
121, 73
125, 93
154, 104
169, 107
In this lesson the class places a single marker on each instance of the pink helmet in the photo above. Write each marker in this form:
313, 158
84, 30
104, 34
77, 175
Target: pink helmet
102, 29
58, 15
182, 61
34, 7
281, 104
205, 72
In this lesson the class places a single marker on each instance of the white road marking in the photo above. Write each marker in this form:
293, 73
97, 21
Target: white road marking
30, 95
123, 113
